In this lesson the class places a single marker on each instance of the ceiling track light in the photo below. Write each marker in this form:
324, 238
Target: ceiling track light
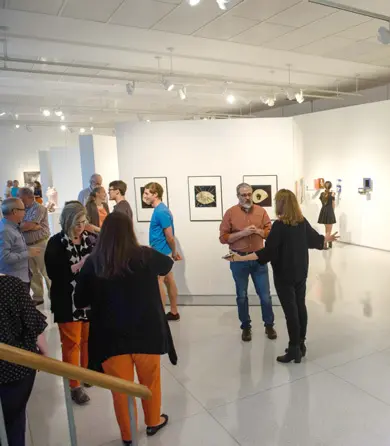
17, 126
130, 87
3, 113
169, 86
270, 101
222, 4
46, 112
193, 2
63, 127
384, 35
299, 97
62, 118
230, 99
82, 130
28, 128
183, 93
58, 112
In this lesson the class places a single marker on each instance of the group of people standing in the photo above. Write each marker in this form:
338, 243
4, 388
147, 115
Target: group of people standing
108, 292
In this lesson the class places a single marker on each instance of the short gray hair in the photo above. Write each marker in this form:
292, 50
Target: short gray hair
9, 204
26, 192
241, 186
70, 216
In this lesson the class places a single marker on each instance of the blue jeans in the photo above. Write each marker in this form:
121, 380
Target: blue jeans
259, 273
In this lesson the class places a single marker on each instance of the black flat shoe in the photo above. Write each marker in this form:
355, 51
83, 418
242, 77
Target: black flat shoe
150, 431
127, 443
293, 354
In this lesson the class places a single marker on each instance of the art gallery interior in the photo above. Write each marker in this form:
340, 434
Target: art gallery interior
275, 93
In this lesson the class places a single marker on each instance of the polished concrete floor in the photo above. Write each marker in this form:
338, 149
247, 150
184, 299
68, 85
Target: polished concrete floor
225, 392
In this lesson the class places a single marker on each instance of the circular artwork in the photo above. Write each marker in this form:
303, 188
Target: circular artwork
259, 195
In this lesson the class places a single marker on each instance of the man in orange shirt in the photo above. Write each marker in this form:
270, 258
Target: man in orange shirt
244, 228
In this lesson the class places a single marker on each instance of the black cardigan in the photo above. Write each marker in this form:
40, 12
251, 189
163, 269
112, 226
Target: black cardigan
58, 269
127, 315
93, 213
287, 248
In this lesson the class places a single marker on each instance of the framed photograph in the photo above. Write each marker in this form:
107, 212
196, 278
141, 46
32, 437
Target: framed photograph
205, 198
30, 177
264, 190
144, 210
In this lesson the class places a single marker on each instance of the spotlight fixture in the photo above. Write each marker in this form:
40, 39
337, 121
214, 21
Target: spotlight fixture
169, 86
16, 116
130, 87
222, 4
290, 94
148, 120
230, 99
58, 112
28, 128
91, 128
193, 2
62, 118
82, 130
46, 112
2, 113
183, 93
299, 97
270, 101
63, 127
384, 35
17, 126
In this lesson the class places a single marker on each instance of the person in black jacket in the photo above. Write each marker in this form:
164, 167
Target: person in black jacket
65, 255
287, 248
119, 282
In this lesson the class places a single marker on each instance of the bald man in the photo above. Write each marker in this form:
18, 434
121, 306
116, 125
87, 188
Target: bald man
96, 180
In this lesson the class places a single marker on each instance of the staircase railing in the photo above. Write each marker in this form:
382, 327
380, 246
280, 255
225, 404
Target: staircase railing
67, 372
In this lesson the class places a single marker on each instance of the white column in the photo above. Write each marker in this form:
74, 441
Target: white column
45, 168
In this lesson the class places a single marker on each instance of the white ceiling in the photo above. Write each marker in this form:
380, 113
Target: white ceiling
250, 46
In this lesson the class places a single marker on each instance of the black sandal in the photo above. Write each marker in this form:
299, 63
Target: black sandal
150, 431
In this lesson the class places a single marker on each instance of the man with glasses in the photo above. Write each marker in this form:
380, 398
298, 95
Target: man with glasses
14, 253
117, 191
96, 180
244, 228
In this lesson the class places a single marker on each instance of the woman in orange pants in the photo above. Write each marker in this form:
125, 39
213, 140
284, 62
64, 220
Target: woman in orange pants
65, 255
129, 330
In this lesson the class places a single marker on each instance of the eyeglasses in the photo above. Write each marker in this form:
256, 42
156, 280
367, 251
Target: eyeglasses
246, 195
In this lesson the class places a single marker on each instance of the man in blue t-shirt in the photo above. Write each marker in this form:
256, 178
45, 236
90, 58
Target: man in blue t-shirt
162, 239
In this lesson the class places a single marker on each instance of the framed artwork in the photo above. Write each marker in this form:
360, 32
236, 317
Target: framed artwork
319, 183
205, 198
264, 190
144, 210
30, 177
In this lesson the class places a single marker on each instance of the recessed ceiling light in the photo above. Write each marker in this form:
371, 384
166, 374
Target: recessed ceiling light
63, 127
169, 86
2, 113
17, 126
148, 120
91, 128
230, 99
82, 130
62, 118
46, 112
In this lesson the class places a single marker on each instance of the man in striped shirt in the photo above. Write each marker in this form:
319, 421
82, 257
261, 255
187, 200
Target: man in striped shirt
36, 232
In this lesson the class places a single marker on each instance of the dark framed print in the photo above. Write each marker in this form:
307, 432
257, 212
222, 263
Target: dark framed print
205, 198
264, 190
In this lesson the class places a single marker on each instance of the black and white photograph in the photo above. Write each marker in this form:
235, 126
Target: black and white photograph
205, 198
144, 210
30, 177
264, 190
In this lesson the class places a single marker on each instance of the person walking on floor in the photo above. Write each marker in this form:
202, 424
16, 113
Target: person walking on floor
162, 239
287, 249
244, 228
36, 232
117, 191
14, 253
119, 283
21, 326
96, 180
327, 216
65, 255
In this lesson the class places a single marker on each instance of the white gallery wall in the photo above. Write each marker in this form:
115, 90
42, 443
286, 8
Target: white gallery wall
176, 150
351, 144
19, 149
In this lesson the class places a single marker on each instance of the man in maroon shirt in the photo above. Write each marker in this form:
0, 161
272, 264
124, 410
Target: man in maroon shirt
244, 228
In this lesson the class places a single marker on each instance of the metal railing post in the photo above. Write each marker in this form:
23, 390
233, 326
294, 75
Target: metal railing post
3, 432
69, 411
133, 421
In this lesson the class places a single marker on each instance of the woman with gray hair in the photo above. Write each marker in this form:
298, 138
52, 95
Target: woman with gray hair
65, 255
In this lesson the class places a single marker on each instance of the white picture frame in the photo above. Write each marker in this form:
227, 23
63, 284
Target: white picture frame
144, 211
205, 198
267, 183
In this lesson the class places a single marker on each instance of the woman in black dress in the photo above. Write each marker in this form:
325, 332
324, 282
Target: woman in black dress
327, 216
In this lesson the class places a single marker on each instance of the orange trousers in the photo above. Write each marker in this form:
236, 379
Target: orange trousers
149, 374
74, 340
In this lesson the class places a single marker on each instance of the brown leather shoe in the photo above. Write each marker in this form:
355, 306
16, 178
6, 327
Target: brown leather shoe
270, 332
246, 335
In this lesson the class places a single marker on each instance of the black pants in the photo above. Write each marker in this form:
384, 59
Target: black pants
14, 397
293, 300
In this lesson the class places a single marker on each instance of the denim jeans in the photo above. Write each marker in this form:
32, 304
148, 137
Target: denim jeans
259, 273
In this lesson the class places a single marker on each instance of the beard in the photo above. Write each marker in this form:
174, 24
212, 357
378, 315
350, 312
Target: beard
247, 204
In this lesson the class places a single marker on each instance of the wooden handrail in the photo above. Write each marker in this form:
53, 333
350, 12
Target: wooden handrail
69, 371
